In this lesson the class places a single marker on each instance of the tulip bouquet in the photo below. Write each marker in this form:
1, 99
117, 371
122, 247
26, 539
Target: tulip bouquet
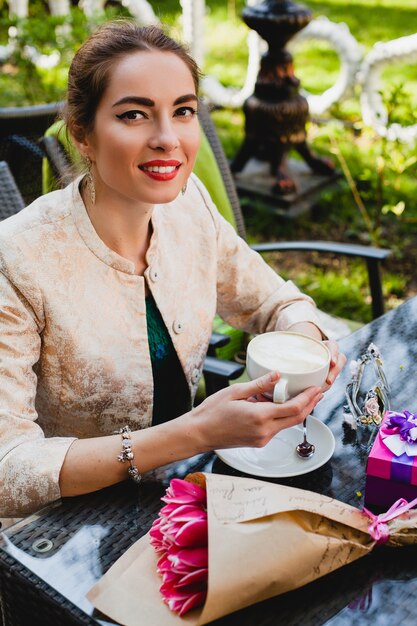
222, 543
180, 536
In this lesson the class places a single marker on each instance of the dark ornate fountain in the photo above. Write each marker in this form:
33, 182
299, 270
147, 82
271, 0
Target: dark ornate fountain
276, 113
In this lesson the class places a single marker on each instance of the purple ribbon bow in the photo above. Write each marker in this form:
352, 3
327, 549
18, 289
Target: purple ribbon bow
405, 423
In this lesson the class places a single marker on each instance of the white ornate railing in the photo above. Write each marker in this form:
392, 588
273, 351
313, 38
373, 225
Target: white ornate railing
350, 56
355, 67
140, 9
373, 109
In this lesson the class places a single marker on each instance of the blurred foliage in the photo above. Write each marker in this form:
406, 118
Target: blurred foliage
21, 80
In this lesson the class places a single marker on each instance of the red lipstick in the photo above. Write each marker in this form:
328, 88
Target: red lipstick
161, 170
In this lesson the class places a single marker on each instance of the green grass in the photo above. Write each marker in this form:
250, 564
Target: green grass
347, 294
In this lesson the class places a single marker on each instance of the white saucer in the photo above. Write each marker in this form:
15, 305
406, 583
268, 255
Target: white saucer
278, 459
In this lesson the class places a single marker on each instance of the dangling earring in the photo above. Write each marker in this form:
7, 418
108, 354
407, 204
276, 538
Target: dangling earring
90, 182
184, 188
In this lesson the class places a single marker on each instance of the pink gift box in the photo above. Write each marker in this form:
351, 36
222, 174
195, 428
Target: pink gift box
389, 477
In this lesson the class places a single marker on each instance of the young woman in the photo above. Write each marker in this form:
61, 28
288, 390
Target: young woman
108, 290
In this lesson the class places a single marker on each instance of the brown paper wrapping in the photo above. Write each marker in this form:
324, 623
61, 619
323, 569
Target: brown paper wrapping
264, 540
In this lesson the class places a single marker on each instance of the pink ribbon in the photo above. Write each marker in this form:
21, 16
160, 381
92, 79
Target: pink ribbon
378, 529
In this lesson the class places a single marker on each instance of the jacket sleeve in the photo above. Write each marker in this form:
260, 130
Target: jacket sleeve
29, 463
251, 295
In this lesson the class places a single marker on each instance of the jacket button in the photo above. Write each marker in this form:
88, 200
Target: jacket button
153, 274
195, 376
178, 327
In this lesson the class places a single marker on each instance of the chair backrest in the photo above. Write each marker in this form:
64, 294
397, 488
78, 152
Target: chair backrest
29, 120
56, 166
213, 139
20, 130
11, 200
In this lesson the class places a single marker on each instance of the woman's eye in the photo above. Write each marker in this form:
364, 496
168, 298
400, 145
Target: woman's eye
131, 115
185, 112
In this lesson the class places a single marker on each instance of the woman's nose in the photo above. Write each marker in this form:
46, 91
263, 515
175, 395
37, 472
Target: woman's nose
164, 137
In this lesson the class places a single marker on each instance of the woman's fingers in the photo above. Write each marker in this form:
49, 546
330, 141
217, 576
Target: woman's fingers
233, 417
300, 403
272, 418
337, 361
264, 384
254, 391
294, 409
334, 351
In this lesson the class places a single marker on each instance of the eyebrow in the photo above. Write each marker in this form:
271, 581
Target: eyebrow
147, 102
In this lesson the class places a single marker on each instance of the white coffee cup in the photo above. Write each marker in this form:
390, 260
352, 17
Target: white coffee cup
301, 361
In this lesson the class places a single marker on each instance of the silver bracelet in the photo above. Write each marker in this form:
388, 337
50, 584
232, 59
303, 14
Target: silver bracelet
127, 454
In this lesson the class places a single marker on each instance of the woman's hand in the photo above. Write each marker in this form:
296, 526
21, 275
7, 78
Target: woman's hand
337, 361
233, 417
239, 416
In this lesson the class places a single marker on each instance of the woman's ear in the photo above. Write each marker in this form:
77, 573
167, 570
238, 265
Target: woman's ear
81, 142
83, 147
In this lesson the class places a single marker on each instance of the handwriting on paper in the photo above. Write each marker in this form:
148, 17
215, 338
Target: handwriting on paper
233, 500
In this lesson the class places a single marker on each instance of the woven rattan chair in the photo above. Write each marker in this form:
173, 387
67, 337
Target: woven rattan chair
11, 200
20, 130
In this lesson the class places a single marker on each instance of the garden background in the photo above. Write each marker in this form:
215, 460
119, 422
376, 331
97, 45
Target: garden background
375, 203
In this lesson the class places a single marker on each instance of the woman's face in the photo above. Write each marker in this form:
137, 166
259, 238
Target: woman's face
146, 133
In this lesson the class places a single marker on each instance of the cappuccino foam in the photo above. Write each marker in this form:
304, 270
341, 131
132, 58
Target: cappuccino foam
287, 353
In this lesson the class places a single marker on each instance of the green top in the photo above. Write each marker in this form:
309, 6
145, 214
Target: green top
171, 395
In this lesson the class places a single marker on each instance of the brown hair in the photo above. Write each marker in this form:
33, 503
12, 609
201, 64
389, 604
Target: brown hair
90, 70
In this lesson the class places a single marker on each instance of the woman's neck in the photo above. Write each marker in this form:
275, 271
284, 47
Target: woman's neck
125, 229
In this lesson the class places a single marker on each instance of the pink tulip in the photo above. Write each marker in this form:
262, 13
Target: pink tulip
189, 557
180, 535
183, 602
195, 600
186, 512
183, 492
198, 576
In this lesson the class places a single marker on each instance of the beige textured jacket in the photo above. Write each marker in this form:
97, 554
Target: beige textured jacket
74, 358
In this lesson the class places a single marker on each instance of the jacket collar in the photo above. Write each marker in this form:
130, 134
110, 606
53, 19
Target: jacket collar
91, 239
